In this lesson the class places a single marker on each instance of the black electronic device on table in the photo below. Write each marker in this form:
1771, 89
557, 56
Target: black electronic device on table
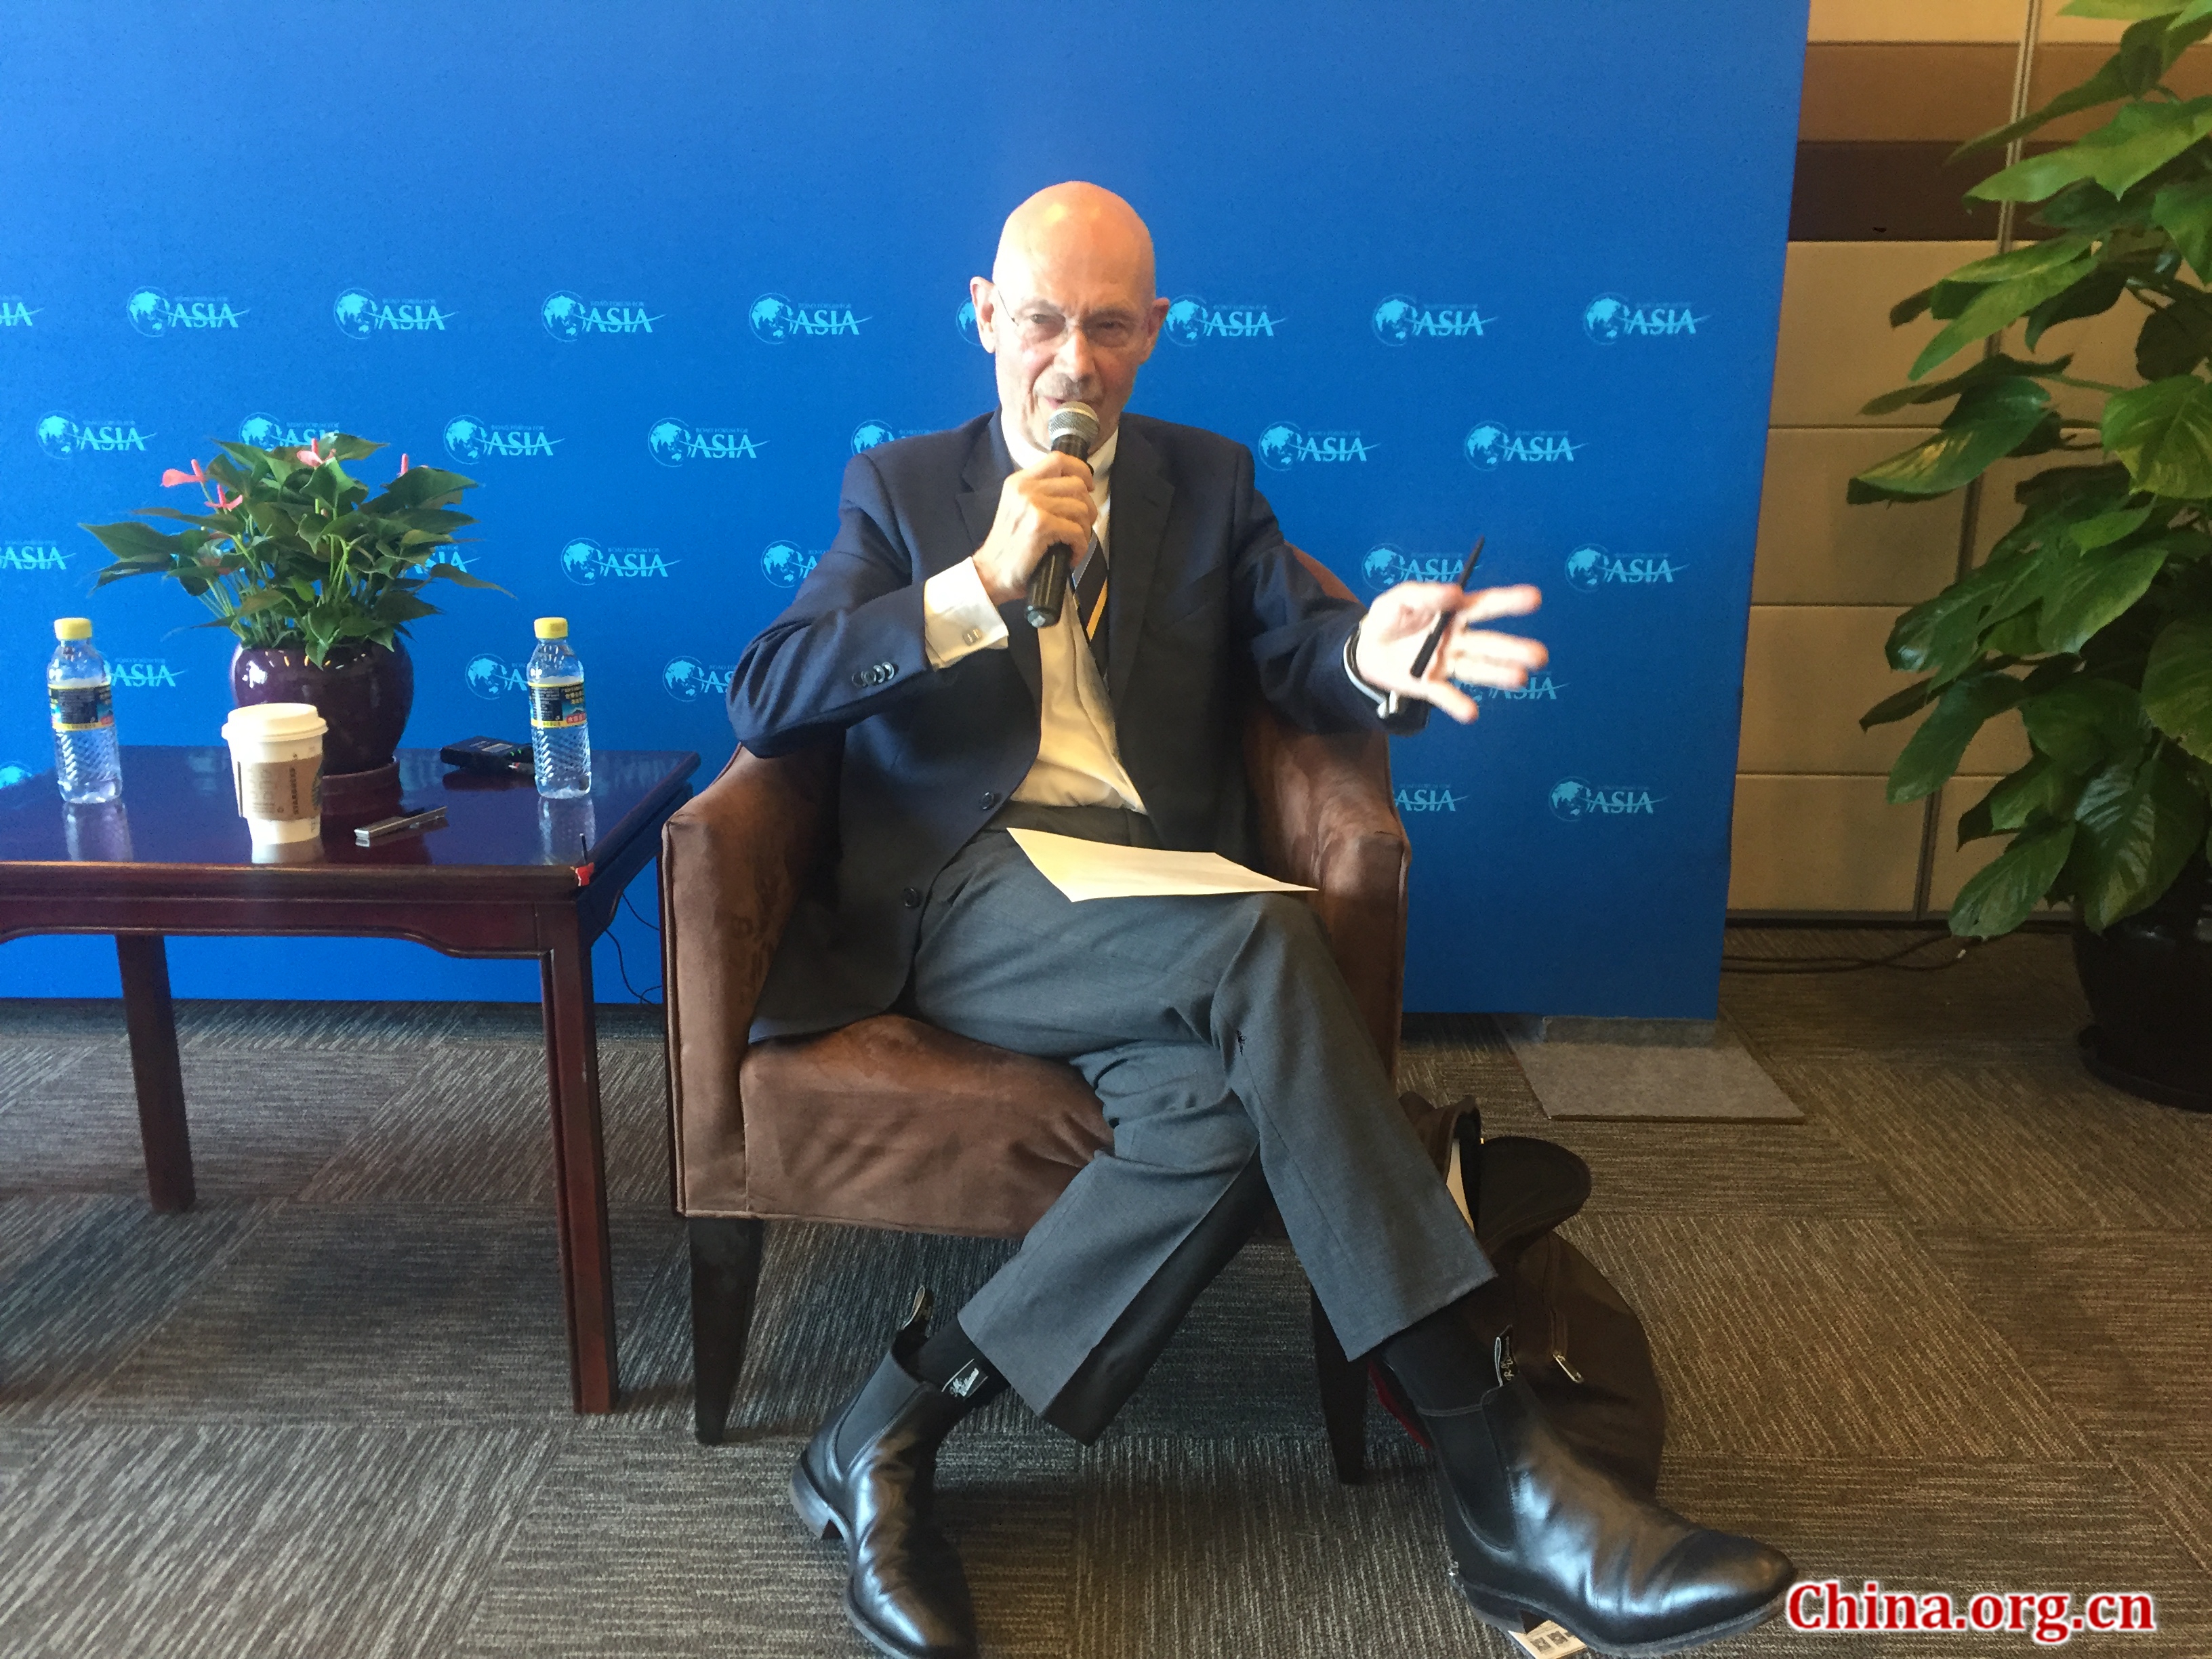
492, 755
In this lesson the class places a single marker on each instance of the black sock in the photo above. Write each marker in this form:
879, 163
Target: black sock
1444, 1361
953, 1365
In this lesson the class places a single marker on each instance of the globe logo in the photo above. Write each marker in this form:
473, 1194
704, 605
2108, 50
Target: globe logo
355, 313
563, 315
1605, 317
964, 321
12, 775
1393, 319
869, 433
1279, 446
1485, 444
1384, 567
684, 679
489, 676
148, 310
1571, 800
787, 563
582, 561
57, 436
772, 318
668, 440
262, 431
1586, 568
1186, 320
466, 438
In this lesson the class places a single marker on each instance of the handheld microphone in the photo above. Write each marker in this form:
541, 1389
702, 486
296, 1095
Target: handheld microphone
1072, 431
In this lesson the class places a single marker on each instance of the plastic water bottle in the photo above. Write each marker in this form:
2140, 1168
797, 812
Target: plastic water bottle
560, 741
81, 701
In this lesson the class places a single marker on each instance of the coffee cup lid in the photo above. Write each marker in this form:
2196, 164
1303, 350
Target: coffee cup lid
270, 722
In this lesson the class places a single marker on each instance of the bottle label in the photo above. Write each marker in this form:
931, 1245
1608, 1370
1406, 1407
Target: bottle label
552, 707
82, 708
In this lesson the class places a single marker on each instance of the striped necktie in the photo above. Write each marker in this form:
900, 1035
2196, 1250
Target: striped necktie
1090, 602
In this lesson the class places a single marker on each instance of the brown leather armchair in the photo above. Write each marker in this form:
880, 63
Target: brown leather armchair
892, 1123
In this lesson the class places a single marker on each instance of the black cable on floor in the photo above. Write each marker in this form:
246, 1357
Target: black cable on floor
1893, 960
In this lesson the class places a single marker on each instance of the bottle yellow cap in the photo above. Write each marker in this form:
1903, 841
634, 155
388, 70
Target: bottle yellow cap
552, 628
72, 628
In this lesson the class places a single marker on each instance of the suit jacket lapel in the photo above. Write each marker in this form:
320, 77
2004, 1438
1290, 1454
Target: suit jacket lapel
982, 480
1142, 495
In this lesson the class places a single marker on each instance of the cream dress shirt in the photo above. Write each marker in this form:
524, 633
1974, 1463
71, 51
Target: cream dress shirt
1079, 762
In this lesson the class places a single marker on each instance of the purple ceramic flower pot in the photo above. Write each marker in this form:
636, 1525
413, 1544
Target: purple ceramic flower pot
363, 690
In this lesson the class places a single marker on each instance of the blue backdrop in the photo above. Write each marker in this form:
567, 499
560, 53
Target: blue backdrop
652, 272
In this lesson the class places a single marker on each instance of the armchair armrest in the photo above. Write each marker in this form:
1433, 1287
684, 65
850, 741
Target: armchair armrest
1328, 820
733, 860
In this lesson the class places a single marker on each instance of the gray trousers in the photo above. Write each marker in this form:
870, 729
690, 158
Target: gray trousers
1224, 1046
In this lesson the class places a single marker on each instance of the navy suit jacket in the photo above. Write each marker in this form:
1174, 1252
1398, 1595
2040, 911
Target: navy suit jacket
1205, 601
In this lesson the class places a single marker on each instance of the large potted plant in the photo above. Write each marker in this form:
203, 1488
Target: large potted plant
2090, 620
316, 578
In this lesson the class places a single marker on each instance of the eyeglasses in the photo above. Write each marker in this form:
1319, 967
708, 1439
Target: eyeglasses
1039, 326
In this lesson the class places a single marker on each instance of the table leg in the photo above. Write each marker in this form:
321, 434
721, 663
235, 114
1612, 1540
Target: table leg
572, 1066
152, 1021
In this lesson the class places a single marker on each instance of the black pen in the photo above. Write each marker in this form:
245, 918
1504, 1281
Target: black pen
1436, 634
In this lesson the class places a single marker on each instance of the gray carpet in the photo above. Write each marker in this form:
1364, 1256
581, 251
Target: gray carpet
1948, 1332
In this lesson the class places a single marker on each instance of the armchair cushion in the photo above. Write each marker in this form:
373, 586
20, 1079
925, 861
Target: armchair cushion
891, 1123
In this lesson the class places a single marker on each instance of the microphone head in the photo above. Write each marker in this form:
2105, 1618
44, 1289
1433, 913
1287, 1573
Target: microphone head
1077, 422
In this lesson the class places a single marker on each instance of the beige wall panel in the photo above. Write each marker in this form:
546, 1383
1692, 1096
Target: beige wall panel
1811, 671
2059, 28
1837, 349
1814, 548
1917, 20
1820, 843
1898, 92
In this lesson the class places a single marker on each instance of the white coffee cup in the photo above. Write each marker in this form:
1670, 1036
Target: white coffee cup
276, 767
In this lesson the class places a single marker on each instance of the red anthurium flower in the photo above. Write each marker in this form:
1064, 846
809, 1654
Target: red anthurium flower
403, 465
308, 457
171, 477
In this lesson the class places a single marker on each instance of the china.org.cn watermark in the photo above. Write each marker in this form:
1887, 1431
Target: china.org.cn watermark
2048, 1618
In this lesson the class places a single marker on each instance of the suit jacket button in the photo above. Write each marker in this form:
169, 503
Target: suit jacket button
885, 673
911, 898
990, 800
862, 678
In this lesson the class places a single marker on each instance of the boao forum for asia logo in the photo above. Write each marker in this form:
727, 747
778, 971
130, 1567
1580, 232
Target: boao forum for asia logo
587, 562
266, 431
786, 564
1609, 320
15, 311
1574, 799
1283, 446
869, 434
687, 679
470, 440
21, 557
1492, 444
360, 314
776, 320
154, 314
1192, 318
672, 442
493, 677
569, 317
63, 436
1400, 319
1589, 568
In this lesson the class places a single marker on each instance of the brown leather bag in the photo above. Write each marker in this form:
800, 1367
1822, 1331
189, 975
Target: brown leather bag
1576, 1340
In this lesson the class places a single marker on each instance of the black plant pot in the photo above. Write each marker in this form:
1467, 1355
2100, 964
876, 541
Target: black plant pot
2148, 980
363, 690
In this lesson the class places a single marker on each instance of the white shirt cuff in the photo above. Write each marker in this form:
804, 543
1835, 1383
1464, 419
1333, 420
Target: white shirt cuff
1386, 702
957, 617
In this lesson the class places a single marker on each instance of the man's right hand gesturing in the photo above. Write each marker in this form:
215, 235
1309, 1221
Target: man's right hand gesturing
1040, 506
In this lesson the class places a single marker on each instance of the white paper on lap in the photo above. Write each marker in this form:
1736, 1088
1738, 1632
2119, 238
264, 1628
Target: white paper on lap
1091, 869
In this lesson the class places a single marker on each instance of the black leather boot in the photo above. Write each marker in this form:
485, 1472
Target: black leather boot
866, 1478
1538, 1532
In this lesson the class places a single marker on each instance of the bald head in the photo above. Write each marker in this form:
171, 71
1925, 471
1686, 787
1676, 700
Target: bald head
1069, 310
1076, 224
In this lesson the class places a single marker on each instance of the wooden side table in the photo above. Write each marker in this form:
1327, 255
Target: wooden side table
509, 875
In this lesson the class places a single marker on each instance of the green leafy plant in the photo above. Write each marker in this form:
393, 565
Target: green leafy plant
2090, 620
295, 551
